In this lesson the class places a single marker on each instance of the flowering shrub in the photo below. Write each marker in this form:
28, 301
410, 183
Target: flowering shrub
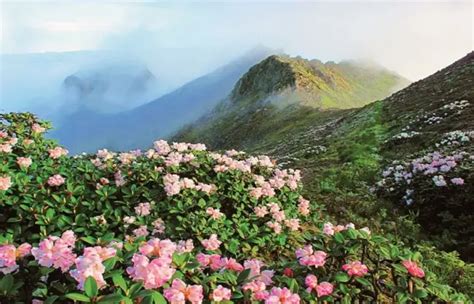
180, 224
439, 187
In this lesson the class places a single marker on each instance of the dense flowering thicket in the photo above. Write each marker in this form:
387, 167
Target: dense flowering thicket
437, 182
179, 224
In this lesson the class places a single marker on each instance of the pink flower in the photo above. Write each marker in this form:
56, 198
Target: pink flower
103, 252
324, 289
275, 226
293, 224
232, 264
89, 265
143, 209
457, 181
214, 213
141, 231
356, 269
254, 265
221, 294
56, 180
3, 134
212, 243
179, 292
185, 246
413, 269
153, 274
328, 229
282, 295
171, 184
203, 259
260, 211
158, 248
303, 206
311, 282
162, 147
36, 128
27, 142
23, 250
23, 162
36, 301
5, 183
307, 257
57, 152
56, 252
7, 258
5, 148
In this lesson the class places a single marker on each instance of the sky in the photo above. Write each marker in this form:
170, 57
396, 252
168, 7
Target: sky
412, 38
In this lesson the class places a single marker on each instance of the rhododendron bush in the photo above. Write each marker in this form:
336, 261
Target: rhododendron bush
180, 224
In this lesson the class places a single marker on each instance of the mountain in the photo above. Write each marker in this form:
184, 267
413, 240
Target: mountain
381, 164
281, 89
86, 131
109, 88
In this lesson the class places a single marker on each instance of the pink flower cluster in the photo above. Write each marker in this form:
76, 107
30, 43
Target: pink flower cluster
322, 289
23, 162
278, 216
56, 252
90, 265
212, 243
214, 213
57, 152
330, 229
163, 148
36, 128
308, 257
355, 269
154, 273
303, 206
143, 209
173, 185
5, 183
9, 254
413, 269
216, 262
280, 178
179, 293
159, 270
279, 295
220, 294
56, 180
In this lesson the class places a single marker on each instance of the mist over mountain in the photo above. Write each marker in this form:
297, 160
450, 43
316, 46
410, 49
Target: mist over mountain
109, 89
88, 130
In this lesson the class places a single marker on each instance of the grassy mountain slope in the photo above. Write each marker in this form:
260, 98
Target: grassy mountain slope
280, 90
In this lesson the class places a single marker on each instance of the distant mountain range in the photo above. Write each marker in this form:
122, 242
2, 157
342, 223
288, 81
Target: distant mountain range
86, 130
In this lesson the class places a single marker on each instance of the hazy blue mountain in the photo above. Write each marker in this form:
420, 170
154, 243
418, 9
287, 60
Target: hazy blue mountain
86, 130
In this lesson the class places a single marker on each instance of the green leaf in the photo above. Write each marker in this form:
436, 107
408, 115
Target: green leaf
420, 293
90, 287
339, 237
78, 297
119, 281
111, 298
363, 281
243, 276
342, 277
6, 283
